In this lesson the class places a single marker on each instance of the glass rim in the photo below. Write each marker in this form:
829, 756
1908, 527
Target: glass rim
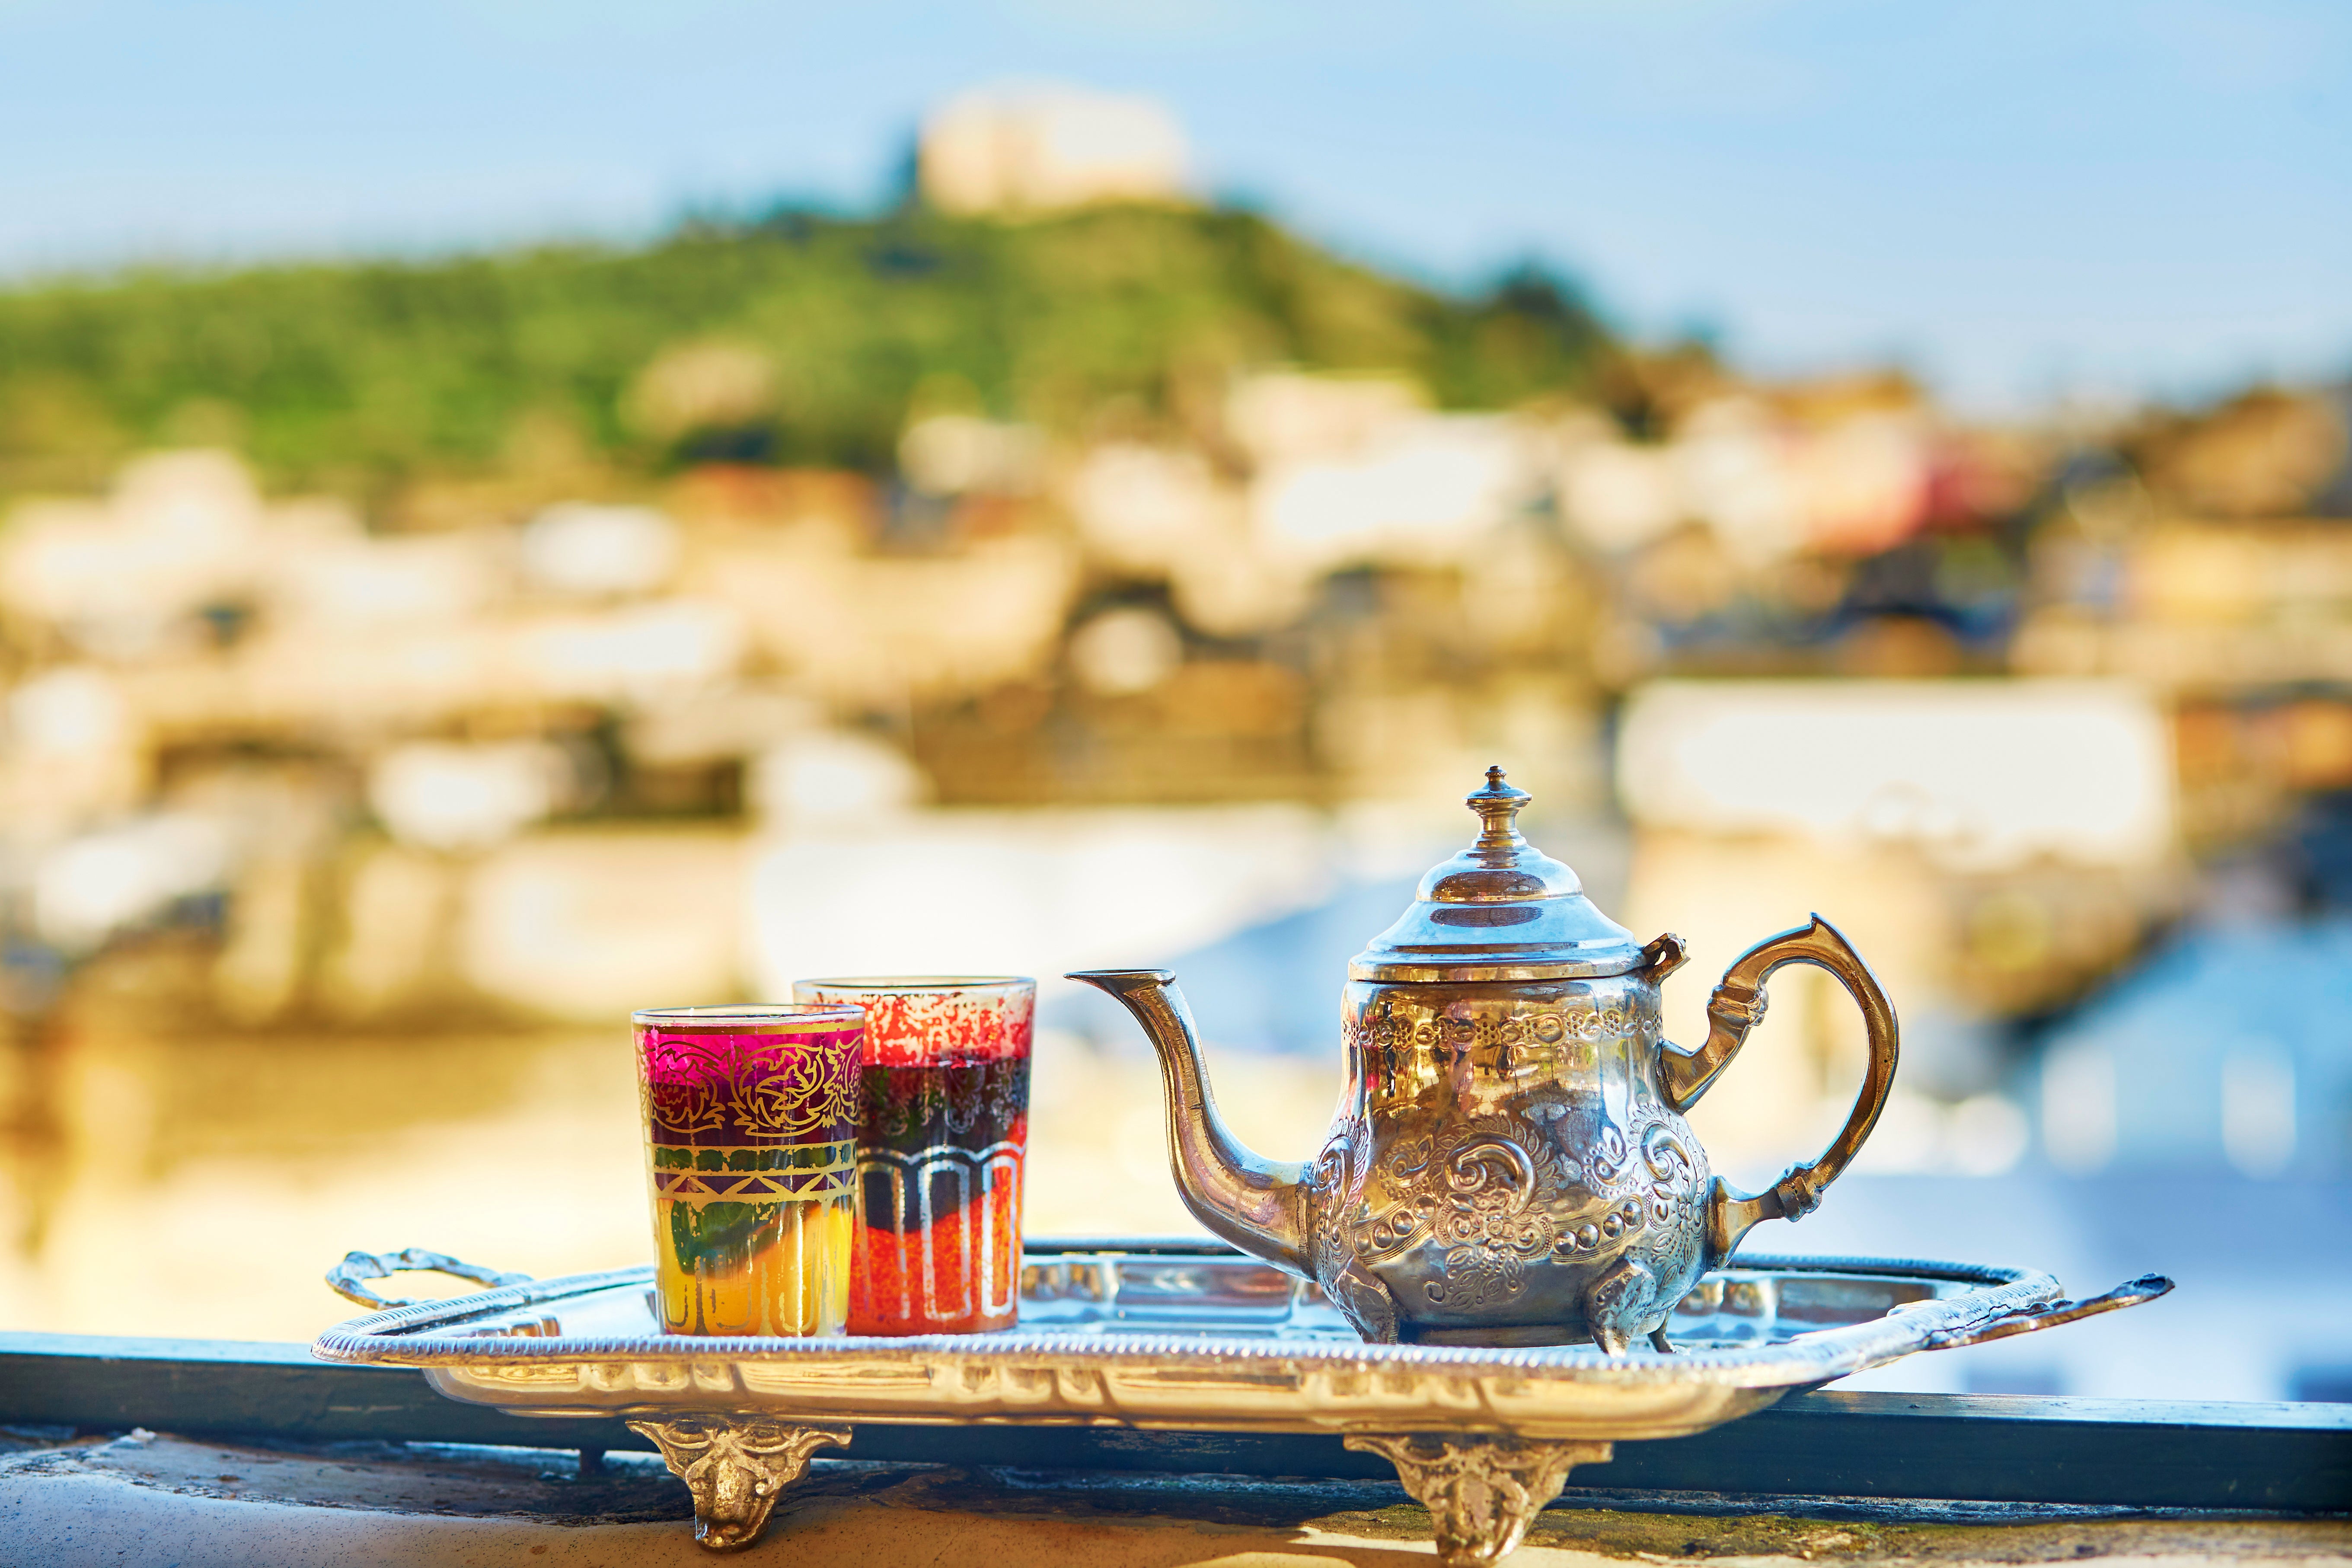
750, 1015
911, 983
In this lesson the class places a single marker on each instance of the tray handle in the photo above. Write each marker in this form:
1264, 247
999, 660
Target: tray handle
350, 1278
2130, 1293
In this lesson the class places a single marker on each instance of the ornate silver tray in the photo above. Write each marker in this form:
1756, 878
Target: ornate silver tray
1192, 1337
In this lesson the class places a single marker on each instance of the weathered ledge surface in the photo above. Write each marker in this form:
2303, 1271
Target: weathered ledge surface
143, 1498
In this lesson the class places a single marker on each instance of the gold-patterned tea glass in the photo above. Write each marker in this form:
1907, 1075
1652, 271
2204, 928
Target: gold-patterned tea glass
750, 1119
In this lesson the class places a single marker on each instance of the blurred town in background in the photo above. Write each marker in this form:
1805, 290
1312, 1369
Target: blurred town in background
412, 667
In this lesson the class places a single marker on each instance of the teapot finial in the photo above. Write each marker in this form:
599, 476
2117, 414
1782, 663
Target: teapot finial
1497, 806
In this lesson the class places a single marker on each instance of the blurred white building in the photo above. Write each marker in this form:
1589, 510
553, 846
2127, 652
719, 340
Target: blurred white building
1766, 483
1977, 774
1035, 148
959, 454
1974, 839
1424, 494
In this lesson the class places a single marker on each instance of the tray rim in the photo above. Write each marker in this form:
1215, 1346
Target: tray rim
390, 1338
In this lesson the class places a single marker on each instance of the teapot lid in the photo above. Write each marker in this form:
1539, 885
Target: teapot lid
1501, 909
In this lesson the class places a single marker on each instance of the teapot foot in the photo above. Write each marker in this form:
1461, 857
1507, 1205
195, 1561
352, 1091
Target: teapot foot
1622, 1304
1482, 1493
1366, 1303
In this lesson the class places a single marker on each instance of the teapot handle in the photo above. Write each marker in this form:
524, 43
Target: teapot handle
1737, 1007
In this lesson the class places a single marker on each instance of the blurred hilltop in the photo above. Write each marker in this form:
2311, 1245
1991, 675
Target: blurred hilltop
794, 338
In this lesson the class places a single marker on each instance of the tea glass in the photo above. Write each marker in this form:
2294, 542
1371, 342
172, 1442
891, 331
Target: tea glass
752, 1155
943, 1138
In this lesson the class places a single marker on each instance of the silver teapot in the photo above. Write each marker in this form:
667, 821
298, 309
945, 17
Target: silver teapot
1509, 1165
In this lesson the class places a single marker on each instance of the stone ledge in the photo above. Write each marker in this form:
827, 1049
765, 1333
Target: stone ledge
130, 1501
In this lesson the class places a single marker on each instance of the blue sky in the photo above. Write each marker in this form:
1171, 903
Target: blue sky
2019, 200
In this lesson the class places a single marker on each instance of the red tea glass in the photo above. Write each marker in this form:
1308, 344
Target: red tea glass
940, 1142
752, 1154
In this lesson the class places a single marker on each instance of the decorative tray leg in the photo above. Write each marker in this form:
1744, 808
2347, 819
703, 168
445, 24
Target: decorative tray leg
736, 1469
1482, 1493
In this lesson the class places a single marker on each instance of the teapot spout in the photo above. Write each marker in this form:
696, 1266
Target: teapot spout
1257, 1205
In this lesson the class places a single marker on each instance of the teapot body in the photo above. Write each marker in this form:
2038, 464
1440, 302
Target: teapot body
1509, 1165
1506, 1164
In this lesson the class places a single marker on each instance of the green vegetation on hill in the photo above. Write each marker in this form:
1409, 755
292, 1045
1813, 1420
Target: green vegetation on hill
797, 339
